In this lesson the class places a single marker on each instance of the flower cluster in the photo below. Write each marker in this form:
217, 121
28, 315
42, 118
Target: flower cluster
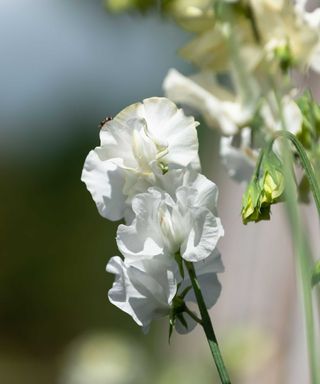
147, 172
245, 50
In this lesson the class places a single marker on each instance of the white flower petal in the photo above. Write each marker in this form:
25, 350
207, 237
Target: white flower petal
206, 271
171, 127
142, 239
204, 234
142, 137
137, 242
105, 181
198, 191
145, 294
164, 224
181, 329
219, 108
239, 161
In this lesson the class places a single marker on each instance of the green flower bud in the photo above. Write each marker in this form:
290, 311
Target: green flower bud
264, 189
252, 209
272, 181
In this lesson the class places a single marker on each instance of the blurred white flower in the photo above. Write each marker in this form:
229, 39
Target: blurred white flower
144, 138
104, 358
164, 224
219, 107
238, 156
312, 19
238, 152
288, 30
270, 115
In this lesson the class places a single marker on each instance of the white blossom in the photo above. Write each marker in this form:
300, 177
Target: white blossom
165, 224
219, 107
143, 139
238, 156
146, 289
283, 24
312, 20
238, 152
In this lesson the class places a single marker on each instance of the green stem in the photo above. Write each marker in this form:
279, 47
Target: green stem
300, 242
306, 164
207, 325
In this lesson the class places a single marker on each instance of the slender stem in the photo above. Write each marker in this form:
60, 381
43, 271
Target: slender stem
309, 171
300, 241
207, 326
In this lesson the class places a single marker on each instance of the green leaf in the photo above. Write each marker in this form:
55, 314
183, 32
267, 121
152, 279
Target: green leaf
315, 278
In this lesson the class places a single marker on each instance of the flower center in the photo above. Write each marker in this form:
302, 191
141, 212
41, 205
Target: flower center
172, 227
147, 149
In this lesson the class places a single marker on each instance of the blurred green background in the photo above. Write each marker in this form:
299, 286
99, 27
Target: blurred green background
65, 65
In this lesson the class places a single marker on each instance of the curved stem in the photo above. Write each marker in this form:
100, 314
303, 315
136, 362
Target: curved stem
207, 326
300, 241
305, 163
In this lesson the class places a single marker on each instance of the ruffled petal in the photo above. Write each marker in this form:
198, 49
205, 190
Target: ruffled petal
145, 294
204, 234
105, 181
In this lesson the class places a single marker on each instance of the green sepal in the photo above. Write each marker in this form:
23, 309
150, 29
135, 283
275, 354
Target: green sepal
183, 321
272, 181
177, 308
185, 291
251, 207
164, 167
265, 188
179, 261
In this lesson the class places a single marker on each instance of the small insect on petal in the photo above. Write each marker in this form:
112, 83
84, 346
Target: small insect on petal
105, 120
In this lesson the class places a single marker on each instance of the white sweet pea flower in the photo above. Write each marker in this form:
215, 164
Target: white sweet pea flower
219, 107
165, 225
291, 114
288, 31
312, 19
238, 153
146, 289
144, 137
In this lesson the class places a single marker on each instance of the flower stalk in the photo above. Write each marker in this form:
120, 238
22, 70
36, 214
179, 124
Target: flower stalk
300, 241
306, 164
207, 326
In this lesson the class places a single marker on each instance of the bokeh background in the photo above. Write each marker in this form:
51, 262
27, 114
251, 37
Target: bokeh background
65, 65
